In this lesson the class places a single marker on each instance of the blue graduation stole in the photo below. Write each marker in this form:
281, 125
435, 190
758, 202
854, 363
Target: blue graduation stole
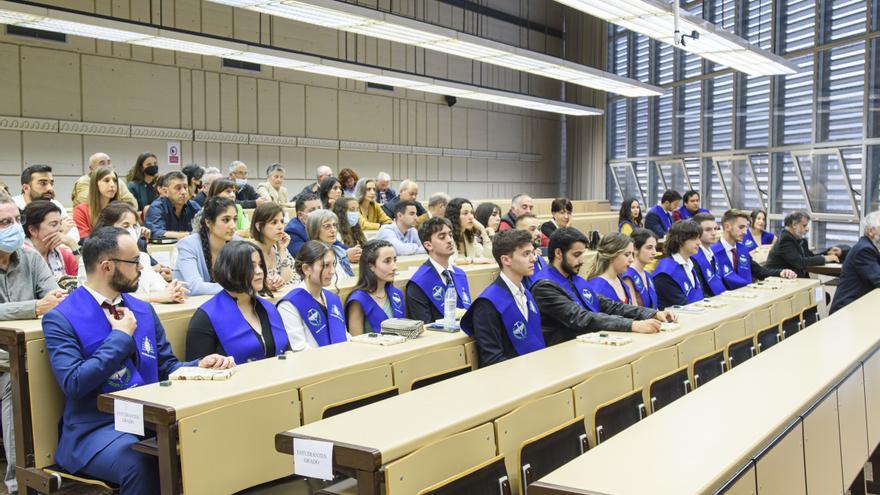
581, 292
734, 277
693, 292
646, 290
686, 214
326, 330
372, 311
603, 288
749, 240
710, 273
236, 334
664, 215
91, 326
526, 336
427, 278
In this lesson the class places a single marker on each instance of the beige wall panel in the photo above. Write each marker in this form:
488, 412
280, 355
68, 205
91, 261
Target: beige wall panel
266, 155
304, 37
228, 103
317, 157
246, 25
365, 163
119, 91
188, 14
10, 82
50, 83
217, 19
212, 101
505, 132
364, 117
468, 189
83, 5
477, 130
294, 161
460, 129
165, 57
478, 170
444, 126
197, 90
247, 105
62, 151
444, 168
124, 151
10, 156
505, 170
188, 60
422, 172
459, 169
186, 153
248, 154
199, 154
412, 124
186, 98
293, 110
421, 119
267, 107
228, 153
436, 64
460, 69
212, 151
321, 113
431, 166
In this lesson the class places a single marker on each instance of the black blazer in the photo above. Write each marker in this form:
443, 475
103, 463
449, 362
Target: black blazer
794, 254
860, 273
418, 304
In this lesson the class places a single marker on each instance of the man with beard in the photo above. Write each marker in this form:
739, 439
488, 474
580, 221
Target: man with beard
37, 182
792, 250
570, 308
861, 269
426, 290
101, 340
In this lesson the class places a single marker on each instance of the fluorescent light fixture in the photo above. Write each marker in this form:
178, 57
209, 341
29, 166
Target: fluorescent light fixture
654, 18
370, 22
119, 31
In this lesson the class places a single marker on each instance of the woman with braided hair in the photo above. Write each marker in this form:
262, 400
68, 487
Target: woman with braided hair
198, 252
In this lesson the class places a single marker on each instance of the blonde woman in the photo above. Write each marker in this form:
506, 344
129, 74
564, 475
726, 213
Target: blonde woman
613, 257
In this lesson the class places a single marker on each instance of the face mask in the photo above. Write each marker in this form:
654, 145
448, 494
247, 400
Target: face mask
240, 182
353, 217
11, 238
134, 232
152, 170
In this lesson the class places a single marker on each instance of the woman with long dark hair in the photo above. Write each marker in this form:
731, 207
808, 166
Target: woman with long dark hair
103, 190
471, 239
374, 298
329, 191
197, 252
349, 215
630, 217
141, 179
267, 232
636, 278
489, 216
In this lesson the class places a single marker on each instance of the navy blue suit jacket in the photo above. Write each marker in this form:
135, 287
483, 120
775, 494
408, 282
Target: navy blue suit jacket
860, 273
298, 236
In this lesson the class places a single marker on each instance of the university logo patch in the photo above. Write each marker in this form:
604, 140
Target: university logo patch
587, 294
147, 348
437, 292
120, 379
314, 317
519, 330
395, 298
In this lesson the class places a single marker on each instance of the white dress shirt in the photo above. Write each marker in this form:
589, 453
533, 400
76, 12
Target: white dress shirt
688, 266
728, 251
298, 334
101, 299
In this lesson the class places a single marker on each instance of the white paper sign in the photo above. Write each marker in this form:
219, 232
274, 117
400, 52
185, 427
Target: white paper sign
313, 458
128, 417
174, 153
819, 295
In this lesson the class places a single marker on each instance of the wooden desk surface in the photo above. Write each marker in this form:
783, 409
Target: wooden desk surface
698, 442
466, 401
830, 269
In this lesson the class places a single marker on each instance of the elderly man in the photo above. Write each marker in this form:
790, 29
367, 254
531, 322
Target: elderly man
37, 182
861, 269
211, 174
437, 205
384, 192
320, 174
521, 204
80, 192
245, 194
409, 191
792, 250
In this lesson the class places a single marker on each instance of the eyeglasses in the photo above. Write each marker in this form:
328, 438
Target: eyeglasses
329, 226
133, 262
7, 222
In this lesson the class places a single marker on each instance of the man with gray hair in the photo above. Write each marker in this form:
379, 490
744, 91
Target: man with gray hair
245, 194
409, 191
211, 174
861, 269
792, 250
521, 204
437, 205
320, 174
384, 192
80, 192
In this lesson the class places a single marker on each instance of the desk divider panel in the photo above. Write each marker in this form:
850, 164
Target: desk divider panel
319, 396
746, 484
822, 447
853, 425
653, 364
757, 320
175, 331
781, 310
694, 347
433, 363
472, 354
871, 370
46, 408
780, 470
205, 465
729, 331
800, 301
598, 390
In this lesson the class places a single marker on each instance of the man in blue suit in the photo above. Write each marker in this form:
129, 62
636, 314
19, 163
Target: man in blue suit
100, 340
296, 227
861, 268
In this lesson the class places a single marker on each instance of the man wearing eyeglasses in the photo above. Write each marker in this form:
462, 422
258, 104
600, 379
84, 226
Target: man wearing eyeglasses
27, 290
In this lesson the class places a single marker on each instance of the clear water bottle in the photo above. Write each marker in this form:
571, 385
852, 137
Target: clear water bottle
81, 273
449, 303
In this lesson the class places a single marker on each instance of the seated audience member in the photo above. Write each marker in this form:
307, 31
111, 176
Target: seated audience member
245, 194
756, 236
707, 266
489, 216
426, 290
329, 191
349, 216
675, 277
100, 339
532, 225
409, 191
274, 188
471, 241
793, 250
38, 183
690, 207
437, 204
225, 188
141, 179
267, 232
210, 176
372, 215
194, 175
103, 189
659, 217
521, 204
630, 217
172, 217
736, 266
322, 225
504, 319
613, 257
348, 178
237, 322
30, 291
42, 225
152, 285
197, 252
374, 298
312, 315
402, 233
81, 192
636, 277
384, 191
560, 210
296, 227
321, 173
861, 268
569, 307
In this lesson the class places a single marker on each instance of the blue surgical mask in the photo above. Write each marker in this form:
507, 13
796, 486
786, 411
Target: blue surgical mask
240, 182
11, 238
353, 217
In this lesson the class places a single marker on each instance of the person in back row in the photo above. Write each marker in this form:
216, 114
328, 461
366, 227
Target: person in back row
296, 227
530, 223
372, 215
101, 340
172, 217
402, 233
504, 320
38, 183
570, 308
471, 240
690, 207
103, 189
245, 194
81, 194
734, 261
861, 269
659, 217
630, 217
426, 290
384, 191
321, 173
560, 210
521, 204
374, 298
706, 264
409, 191
792, 250
142, 179
675, 277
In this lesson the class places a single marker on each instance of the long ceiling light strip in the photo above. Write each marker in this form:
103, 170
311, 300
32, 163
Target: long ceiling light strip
135, 34
654, 18
370, 22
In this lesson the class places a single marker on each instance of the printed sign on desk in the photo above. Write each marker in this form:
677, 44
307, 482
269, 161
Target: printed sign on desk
313, 458
128, 417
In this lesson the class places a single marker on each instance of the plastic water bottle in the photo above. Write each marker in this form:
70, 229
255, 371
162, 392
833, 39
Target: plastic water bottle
449, 304
81, 273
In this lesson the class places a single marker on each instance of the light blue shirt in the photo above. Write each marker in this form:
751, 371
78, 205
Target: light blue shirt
404, 244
